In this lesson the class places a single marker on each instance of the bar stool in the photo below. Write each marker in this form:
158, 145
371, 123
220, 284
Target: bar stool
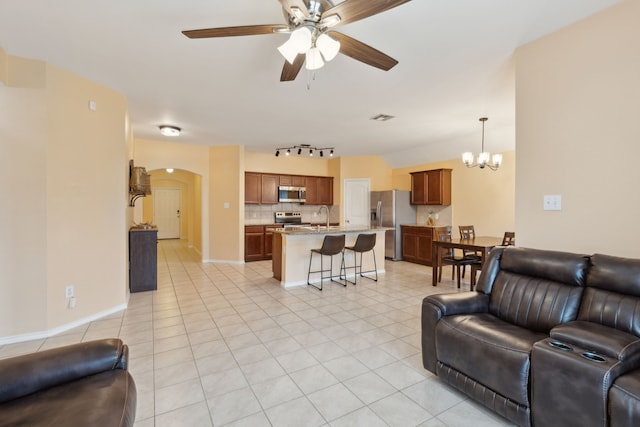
364, 243
331, 245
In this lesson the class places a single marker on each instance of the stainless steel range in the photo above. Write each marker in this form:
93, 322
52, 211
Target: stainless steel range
290, 219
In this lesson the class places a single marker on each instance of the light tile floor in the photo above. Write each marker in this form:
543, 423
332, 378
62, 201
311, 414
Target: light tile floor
225, 345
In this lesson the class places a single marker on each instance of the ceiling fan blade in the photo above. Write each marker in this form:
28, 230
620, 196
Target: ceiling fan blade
246, 30
288, 4
290, 71
355, 10
362, 52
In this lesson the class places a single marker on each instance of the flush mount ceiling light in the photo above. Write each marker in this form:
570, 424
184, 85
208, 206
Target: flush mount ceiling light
167, 130
483, 157
321, 150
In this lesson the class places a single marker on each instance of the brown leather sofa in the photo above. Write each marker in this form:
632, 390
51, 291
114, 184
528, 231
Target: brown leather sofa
84, 384
547, 339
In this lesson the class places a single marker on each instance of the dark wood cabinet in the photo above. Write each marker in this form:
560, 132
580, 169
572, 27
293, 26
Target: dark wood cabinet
319, 190
143, 260
270, 189
417, 243
432, 187
253, 242
252, 188
293, 180
262, 188
258, 242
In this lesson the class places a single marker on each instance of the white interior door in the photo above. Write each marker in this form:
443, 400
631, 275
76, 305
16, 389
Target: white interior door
356, 202
166, 212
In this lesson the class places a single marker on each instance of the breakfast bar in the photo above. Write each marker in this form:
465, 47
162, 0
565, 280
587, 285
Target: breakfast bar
292, 247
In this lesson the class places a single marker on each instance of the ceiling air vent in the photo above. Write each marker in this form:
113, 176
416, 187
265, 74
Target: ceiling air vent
382, 117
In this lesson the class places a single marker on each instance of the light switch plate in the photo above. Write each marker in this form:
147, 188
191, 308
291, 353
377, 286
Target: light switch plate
552, 202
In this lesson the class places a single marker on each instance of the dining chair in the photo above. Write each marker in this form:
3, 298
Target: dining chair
468, 232
449, 257
509, 239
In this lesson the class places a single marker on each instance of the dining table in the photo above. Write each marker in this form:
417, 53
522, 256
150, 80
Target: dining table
480, 244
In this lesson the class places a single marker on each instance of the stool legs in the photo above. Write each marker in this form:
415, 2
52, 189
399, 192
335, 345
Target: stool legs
323, 270
356, 266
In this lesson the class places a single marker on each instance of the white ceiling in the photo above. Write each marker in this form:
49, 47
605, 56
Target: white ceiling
455, 66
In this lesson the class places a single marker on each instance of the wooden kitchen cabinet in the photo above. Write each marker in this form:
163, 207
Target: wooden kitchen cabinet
270, 189
319, 190
432, 187
268, 240
258, 242
260, 188
417, 243
252, 188
253, 242
292, 180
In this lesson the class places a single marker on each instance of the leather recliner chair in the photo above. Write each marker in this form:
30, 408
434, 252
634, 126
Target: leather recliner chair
84, 384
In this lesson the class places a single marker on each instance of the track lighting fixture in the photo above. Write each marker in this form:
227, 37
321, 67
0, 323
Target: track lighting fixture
305, 147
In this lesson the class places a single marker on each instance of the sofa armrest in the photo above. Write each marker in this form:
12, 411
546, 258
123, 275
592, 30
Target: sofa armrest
599, 338
459, 303
23, 375
435, 307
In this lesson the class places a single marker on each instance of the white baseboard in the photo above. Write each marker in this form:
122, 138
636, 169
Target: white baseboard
57, 330
221, 261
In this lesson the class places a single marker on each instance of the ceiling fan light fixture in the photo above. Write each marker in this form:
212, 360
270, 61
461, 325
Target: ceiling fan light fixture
314, 59
297, 13
301, 39
329, 47
289, 51
330, 21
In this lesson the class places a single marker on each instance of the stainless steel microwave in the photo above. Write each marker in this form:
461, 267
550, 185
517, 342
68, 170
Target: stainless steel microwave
292, 194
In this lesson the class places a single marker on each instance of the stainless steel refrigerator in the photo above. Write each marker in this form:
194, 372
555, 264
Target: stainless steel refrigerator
390, 209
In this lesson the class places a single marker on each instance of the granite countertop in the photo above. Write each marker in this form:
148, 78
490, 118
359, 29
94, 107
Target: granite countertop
295, 231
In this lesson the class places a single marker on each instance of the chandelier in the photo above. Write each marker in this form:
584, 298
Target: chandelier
299, 149
483, 157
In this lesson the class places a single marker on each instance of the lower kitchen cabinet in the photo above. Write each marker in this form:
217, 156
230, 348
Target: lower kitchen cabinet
258, 242
417, 243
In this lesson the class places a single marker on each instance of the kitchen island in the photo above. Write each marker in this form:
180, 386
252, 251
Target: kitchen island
292, 249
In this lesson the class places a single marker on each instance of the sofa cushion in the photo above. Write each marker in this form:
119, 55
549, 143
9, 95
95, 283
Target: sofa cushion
489, 350
104, 399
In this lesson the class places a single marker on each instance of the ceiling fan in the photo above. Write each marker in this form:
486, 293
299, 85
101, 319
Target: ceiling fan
312, 40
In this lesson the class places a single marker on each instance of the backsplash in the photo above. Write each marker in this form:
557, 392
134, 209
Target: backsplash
445, 214
265, 214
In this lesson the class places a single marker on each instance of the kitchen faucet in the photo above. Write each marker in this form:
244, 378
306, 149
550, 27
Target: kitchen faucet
320, 211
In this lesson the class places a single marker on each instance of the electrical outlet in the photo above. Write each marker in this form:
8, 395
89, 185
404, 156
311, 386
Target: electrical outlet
68, 291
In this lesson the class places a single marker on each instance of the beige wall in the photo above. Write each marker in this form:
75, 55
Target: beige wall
227, 203
482, 198
67, 199
578, 103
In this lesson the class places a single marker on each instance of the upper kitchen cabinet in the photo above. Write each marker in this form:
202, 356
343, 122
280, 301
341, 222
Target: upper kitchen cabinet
261, 188
252, 188
319, 190
432, 187
270, 189
292, 180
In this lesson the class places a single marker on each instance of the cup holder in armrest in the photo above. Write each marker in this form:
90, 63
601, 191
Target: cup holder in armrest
560, 346
593, 356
